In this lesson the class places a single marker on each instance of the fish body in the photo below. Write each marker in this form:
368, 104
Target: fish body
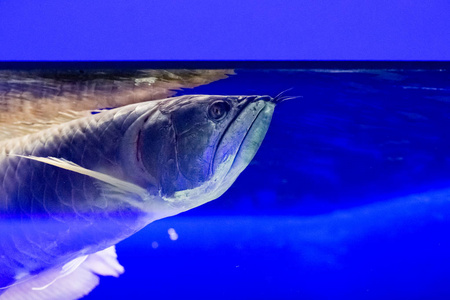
78, 188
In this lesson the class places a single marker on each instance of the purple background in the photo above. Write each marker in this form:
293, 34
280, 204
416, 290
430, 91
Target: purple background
225, 30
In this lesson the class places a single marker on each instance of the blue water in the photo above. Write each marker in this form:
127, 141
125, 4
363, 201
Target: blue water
348, 197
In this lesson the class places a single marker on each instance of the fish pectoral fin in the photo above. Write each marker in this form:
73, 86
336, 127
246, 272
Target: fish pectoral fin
117, 184
67, 269
105, 263
81, 276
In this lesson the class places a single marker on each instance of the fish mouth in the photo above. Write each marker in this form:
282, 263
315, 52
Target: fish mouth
242, 138
252, 140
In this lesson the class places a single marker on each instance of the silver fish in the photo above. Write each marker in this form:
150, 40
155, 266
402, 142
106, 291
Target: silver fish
69, 193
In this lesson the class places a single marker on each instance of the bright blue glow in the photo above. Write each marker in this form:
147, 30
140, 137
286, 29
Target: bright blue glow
217, 29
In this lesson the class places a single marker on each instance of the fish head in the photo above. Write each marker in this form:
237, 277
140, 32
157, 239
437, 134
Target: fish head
195, 147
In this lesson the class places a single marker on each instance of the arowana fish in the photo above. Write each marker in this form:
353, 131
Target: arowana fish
69, 193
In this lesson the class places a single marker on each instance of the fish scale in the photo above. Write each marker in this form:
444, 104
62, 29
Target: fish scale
76, 209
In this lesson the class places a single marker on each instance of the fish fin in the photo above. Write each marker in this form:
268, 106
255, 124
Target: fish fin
117, 184
104, 263
67, 269
79, 280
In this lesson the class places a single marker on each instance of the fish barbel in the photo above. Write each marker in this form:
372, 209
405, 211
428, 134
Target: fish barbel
70, 192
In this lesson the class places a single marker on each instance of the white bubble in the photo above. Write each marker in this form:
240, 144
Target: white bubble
172, 234
155, 245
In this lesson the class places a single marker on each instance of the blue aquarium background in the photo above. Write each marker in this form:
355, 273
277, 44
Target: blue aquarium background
347, 198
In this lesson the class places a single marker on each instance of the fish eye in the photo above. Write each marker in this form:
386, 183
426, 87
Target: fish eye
218, 110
